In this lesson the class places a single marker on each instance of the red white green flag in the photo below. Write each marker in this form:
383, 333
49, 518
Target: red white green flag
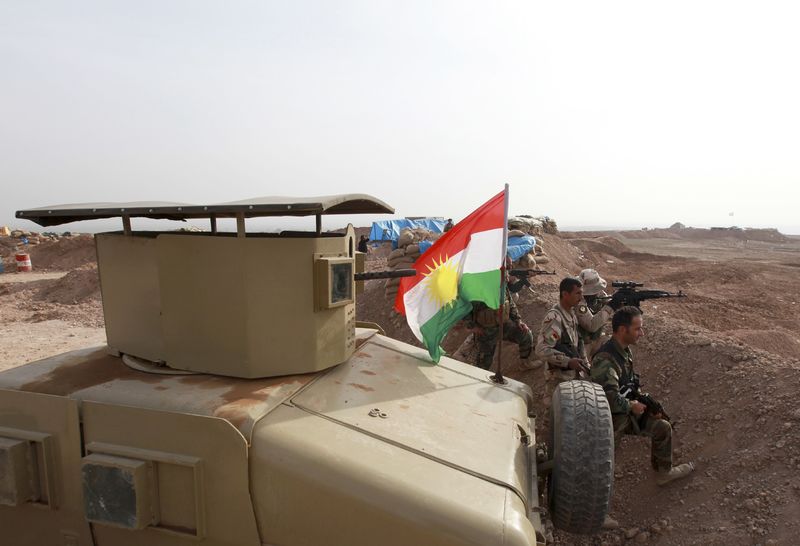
461, 267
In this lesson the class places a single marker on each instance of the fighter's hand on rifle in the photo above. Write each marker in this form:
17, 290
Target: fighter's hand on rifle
576, 364
637, 408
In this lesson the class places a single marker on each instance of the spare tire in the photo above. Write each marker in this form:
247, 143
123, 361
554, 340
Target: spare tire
582, 447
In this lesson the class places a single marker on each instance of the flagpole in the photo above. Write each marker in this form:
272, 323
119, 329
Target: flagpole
498, 376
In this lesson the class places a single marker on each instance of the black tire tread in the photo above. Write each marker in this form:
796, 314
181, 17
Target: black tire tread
582, 443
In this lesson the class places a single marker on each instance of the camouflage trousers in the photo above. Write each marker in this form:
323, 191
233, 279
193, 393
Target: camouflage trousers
658, 430
486, 341
552, 378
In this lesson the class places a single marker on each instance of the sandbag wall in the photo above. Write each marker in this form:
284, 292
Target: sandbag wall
406, 254
519, 226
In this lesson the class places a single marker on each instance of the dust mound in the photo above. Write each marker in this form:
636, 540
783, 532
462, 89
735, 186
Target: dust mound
609, 246
77, 286
65, 254
721, 274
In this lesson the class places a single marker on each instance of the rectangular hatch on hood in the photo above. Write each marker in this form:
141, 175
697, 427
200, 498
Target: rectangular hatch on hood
448, 412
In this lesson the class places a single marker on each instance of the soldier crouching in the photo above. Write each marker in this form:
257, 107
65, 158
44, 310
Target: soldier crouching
612, 368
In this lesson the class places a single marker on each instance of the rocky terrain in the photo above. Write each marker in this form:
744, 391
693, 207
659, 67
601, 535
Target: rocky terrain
724, 361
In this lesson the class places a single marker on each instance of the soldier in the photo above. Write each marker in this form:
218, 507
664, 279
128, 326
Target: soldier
594, 312
448, 225
559, 343
483, 321
612, 367
362, 244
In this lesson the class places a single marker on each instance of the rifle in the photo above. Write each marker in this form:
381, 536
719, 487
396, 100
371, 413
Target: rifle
630, 294
523, 278
572, 352
632, 391
390, 274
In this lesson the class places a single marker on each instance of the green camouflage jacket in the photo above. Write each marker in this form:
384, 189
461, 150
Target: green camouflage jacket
607, 372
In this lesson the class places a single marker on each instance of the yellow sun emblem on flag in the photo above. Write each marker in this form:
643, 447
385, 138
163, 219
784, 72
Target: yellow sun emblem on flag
442, 281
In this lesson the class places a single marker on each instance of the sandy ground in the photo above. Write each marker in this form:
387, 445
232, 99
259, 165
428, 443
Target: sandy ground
25, 342
724, 361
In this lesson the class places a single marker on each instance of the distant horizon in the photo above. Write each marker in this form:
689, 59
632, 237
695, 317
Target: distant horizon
256, 225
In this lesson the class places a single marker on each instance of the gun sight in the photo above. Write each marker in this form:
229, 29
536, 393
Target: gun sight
626, 284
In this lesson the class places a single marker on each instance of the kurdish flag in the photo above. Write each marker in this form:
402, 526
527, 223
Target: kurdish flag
461, 267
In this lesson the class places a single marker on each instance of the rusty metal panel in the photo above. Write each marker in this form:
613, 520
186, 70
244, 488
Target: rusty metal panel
301, 461
93, 374
50, 426
440, 411
200, 486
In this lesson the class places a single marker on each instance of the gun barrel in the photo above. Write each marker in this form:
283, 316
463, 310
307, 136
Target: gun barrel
525, 273
388, 274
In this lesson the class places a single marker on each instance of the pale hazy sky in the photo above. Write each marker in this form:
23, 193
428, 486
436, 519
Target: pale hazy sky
596, 113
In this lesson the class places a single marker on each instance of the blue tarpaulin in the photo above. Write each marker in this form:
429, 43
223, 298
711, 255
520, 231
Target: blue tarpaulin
517, 246
389, 230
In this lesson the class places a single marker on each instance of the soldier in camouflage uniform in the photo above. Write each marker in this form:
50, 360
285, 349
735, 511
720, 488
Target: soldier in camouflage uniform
595, 301
483, 322
612, 367
559, 343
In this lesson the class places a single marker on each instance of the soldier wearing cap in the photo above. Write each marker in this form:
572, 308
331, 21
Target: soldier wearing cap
594, 312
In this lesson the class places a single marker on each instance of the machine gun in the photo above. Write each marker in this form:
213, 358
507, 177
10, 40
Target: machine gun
632, 391
631, 295
388, 274
523, 278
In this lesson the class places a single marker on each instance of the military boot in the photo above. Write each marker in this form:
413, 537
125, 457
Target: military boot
674, 473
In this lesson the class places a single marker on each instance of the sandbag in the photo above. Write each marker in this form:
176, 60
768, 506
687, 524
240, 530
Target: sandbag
406, 238
397, 253
516, 233
527, 262
401, 263
412, 248
542, 259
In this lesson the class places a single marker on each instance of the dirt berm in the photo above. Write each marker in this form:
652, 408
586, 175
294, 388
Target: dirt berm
724, 363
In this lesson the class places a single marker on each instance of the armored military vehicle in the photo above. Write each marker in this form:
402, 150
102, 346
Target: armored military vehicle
239, 402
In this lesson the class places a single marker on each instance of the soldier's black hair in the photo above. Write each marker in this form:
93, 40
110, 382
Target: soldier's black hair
625, 316
568, 284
